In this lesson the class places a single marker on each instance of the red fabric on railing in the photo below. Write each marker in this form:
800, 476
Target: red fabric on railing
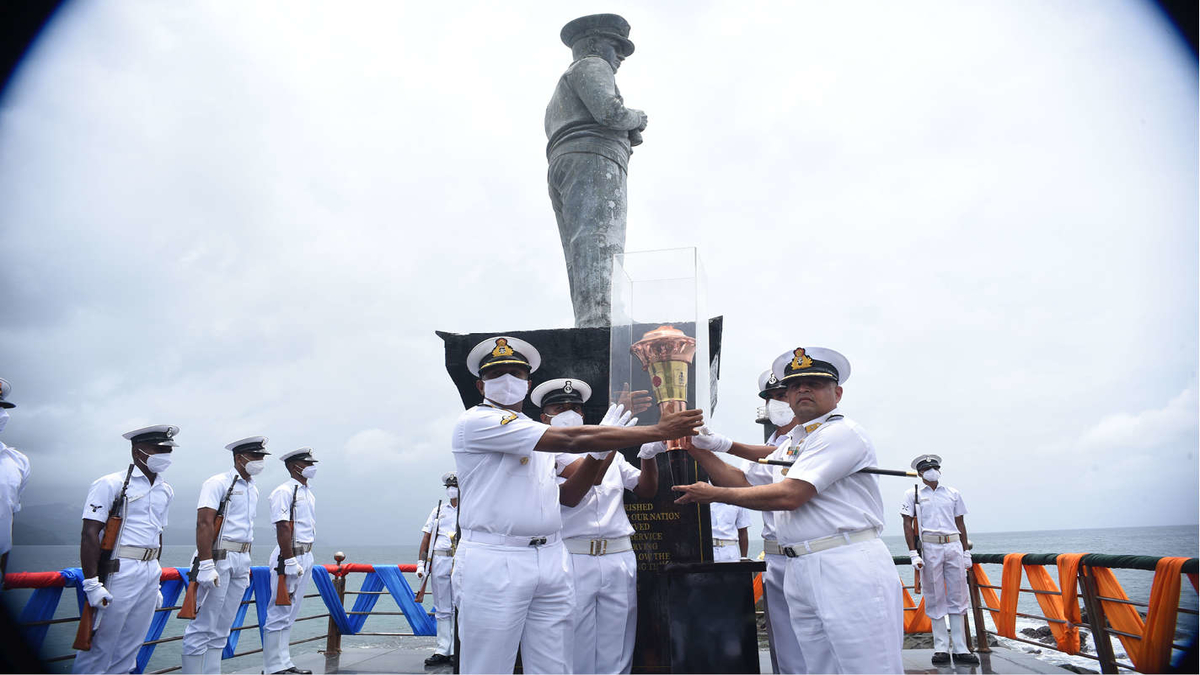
34, 580
361, 568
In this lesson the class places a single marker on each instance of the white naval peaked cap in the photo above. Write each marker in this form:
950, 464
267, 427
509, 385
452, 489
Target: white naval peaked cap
500, 350
159, 434
5, 388
298, 454
561, 390
249, 444
449, 477
811, 362
923, 459
768, 382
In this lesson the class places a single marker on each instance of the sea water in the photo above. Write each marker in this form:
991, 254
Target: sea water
1150, 541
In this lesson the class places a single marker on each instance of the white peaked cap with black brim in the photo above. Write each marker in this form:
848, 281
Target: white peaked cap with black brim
811, 362
299, 454
767, 382
932, 460
561, 390
502, 350
449, 478
251, 444
159, 434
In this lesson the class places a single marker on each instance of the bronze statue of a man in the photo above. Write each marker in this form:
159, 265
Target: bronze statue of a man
591, 134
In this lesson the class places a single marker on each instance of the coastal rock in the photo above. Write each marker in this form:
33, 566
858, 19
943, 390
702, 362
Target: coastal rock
918, 641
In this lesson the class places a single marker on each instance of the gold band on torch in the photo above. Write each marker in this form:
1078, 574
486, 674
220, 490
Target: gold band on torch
666, 353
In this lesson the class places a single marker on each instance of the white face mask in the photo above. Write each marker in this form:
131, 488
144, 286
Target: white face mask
567, 418
453, 492
256, 466
506, 389
780, 413
309, 472
157, 463
3, 418
931, 475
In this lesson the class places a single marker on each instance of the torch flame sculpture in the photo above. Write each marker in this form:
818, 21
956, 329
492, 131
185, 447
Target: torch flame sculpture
667, 353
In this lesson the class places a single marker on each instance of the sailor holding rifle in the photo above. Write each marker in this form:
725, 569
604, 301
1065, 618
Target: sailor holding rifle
221, 566
123, 521
294, 512
596, 533
933, 516
842, 588
511, 570
14, 475
439, 531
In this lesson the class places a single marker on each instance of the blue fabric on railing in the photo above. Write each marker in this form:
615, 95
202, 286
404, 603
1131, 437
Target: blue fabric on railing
260, 587
41, 606
347, 624
418, 618
170, 591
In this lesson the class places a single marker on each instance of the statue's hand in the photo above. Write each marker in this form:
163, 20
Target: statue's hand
642, 120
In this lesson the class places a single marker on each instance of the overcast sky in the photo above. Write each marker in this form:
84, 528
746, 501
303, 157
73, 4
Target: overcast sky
249, 218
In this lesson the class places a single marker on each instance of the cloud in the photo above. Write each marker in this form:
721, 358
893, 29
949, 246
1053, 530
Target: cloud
1174, 424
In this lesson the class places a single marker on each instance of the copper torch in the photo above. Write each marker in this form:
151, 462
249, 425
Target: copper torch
667, 352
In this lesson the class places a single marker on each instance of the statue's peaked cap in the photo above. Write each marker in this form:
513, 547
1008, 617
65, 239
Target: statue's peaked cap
611, 25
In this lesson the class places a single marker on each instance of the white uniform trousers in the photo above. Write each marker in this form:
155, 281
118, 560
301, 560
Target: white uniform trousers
217, 606
727, 553
783, 637
280, 618
443, 603
846, 609
510, 596
126, 620
605, 611
944, 579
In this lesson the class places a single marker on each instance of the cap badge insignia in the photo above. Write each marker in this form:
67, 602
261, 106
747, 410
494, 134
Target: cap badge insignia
567, 388
800, 360
502, 348
772, 379
508, 418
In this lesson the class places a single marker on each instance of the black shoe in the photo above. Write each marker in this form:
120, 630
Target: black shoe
941, 657
966, 657
298, 671
437, 660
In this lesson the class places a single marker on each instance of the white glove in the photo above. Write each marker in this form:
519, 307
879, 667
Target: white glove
292, 567
420, 569
649, 450
916, 559
97, 595
207, 576
600, 455
616, 416
159, 602
967, 559
712, 441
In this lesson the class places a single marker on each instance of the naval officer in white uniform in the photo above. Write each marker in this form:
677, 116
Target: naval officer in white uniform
511, 569
597, 532
943, 567
298, 534
842, 587
223, 572
14, 476
438, 530
126, 600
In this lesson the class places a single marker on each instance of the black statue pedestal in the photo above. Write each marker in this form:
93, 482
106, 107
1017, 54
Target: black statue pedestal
694, 615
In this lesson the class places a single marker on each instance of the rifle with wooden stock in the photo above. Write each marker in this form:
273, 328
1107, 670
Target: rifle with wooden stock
282, 596
437, 522
916, 523
188, 609
89, 618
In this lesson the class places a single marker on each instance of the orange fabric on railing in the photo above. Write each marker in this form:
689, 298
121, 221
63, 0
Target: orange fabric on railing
1004, 606
1154, 656
1068, 577
1121, 616
1192, 578
1066, 637
919, 621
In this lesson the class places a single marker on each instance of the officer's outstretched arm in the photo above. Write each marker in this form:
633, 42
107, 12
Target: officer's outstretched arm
786, 495
719, 471
594, 438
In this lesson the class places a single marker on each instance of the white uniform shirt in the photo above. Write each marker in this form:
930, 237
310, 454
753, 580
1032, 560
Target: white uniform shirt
145, 511
239, 510
505, 487
727, 519
14, 475
845, 501
938, 508
765, 474
304, 530
601, 512
447, 521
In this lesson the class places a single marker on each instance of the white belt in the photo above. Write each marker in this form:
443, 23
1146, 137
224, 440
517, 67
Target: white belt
511, 540
598, 546
724, 542
235, 546
826, 543
300, 548
771, 547
136, 553
931, 538
443, 552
